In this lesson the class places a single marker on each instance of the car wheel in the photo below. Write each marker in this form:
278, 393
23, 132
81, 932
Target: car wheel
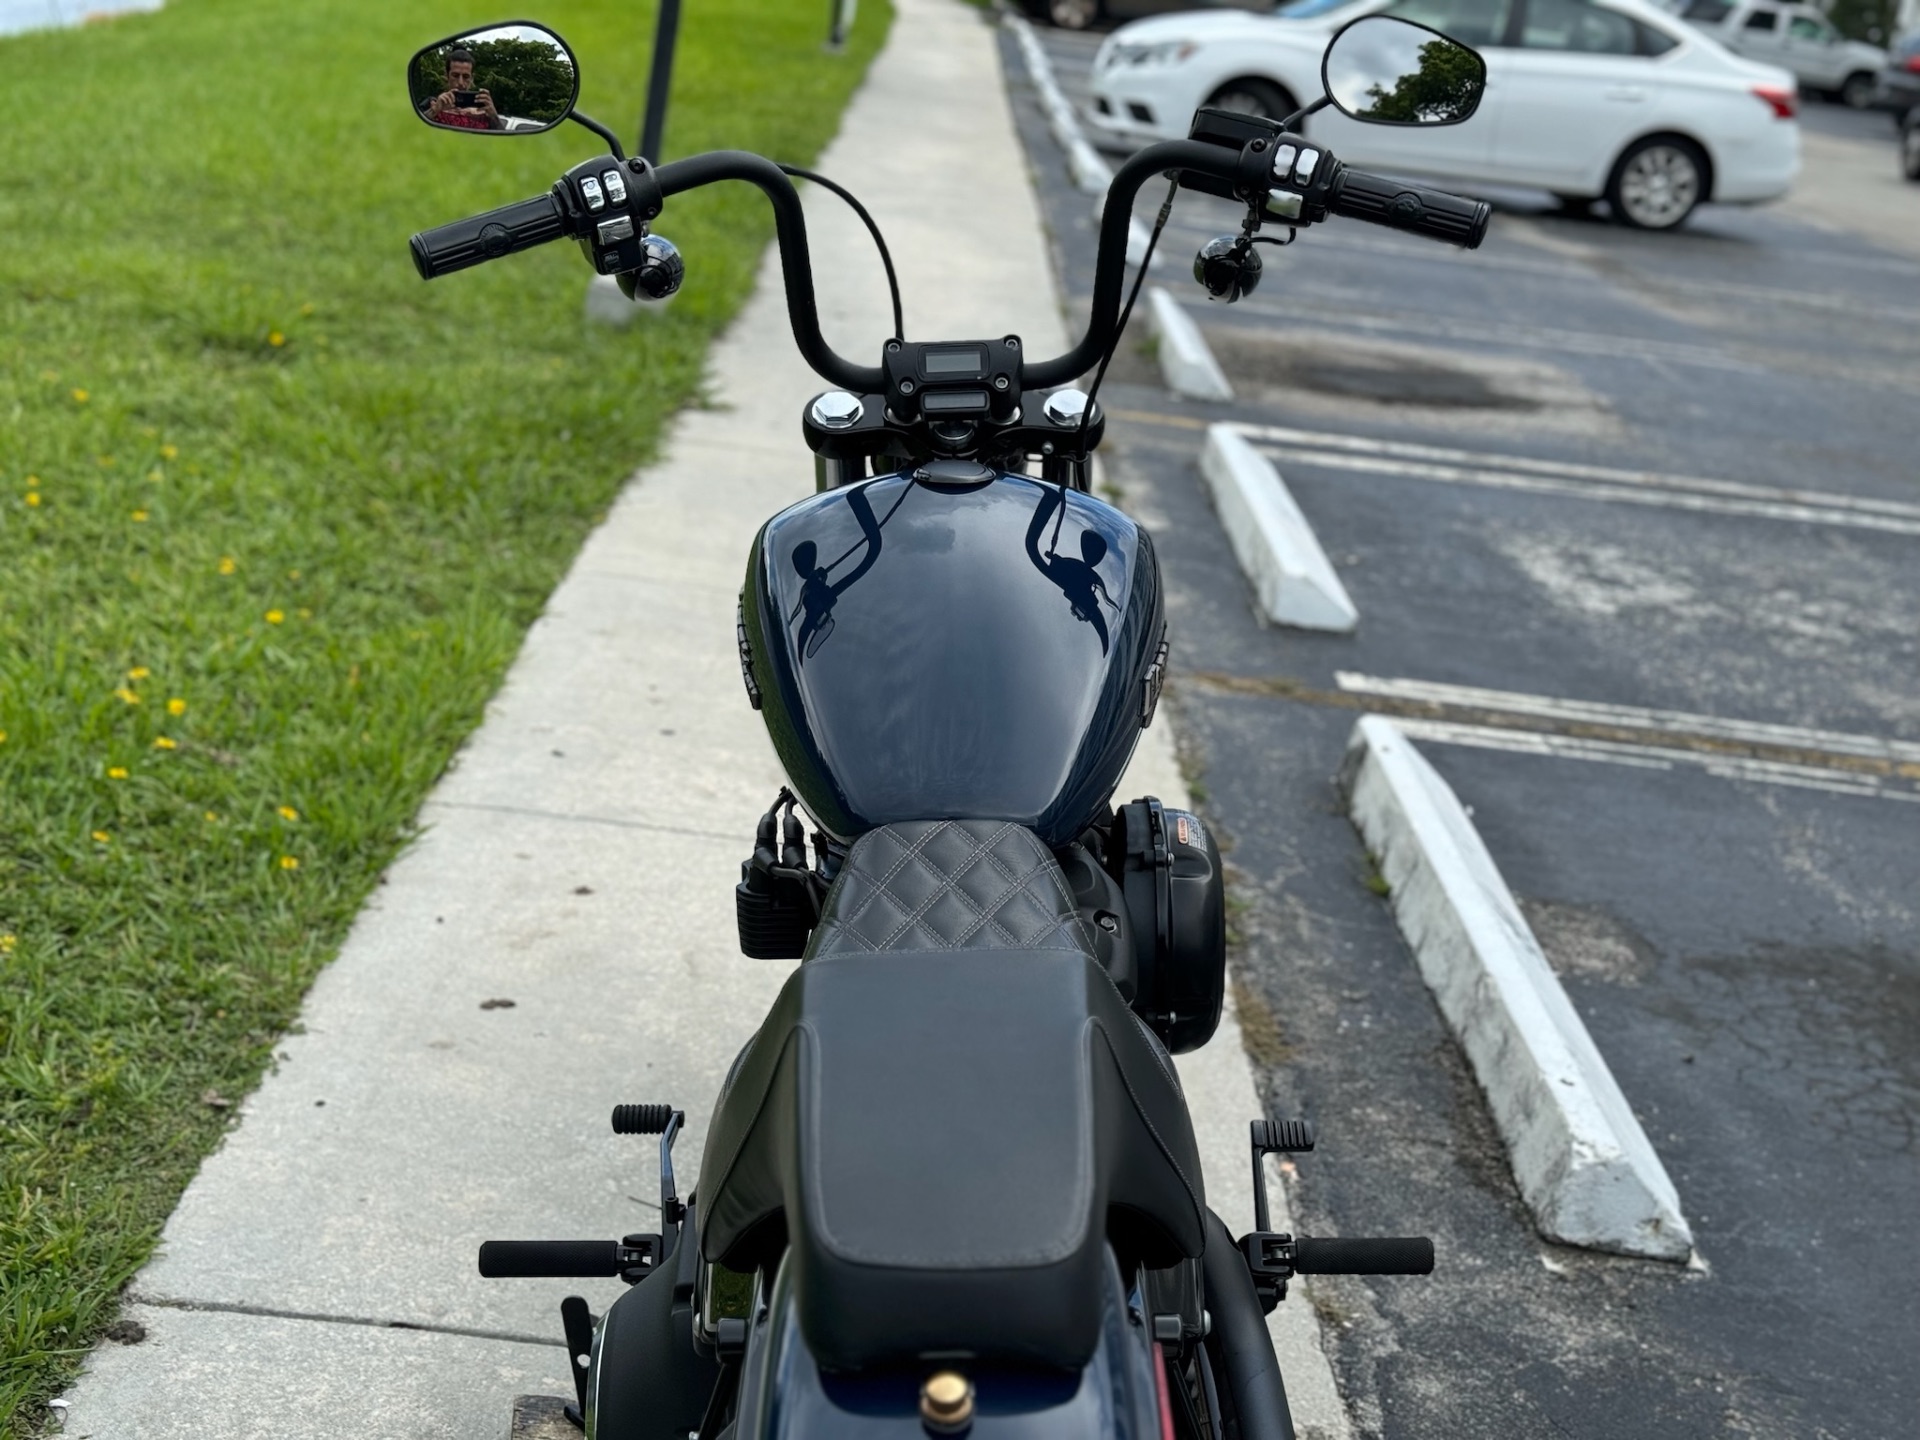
1857, 92
1910, 151
1657, 183
1073, 14
1254, 97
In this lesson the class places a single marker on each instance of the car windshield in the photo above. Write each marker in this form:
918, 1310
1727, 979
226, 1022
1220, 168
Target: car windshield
1307, 9
1707, 12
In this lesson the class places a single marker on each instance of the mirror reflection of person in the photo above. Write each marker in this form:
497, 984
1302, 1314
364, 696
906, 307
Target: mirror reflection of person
445, 108
818, 593
1079, 580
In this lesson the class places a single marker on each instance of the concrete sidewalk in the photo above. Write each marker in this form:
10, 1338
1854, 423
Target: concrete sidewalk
318, 1277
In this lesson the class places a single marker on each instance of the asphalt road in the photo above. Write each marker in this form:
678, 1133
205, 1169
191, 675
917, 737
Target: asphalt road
1737, 926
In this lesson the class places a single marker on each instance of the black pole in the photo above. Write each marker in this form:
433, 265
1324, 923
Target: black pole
839, 19
665, 31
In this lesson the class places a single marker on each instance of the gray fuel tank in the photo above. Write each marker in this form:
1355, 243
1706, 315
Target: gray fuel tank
979, 650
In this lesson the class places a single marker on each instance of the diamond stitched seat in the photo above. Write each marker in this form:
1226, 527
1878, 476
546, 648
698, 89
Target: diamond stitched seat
950, 885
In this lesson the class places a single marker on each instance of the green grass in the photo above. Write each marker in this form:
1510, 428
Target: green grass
273, 518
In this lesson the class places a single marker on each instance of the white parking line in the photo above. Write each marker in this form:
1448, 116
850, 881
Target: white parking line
1587, 482
1656, 757
1635, 717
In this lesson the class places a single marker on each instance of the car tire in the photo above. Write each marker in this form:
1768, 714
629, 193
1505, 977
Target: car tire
1857, 92
1074, 14
1657, 182
1251, 95
1910, 149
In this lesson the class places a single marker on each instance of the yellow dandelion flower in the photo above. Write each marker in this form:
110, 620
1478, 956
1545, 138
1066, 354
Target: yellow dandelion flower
161, 742
156, 474
307, 309
211, 818
80, 396
102, 837
276, 339
116, 772
274, 617
33, 497
228, 565
139, 672
126, 696
168, 452
293, 574
139, 517
289, 862
176, 706
7, 942
287, 812
304, 613
3, 737
103, 460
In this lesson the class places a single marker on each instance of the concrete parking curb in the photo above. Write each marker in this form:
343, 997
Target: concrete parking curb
1582, 1161
1186, 364
1090, 173
1293, 581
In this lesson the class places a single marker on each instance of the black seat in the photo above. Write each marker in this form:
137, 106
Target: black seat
947, 1141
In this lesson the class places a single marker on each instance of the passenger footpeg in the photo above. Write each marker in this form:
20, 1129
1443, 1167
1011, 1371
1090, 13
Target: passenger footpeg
664, 1121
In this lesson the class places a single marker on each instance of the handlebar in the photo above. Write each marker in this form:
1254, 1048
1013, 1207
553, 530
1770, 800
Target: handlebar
1352, 193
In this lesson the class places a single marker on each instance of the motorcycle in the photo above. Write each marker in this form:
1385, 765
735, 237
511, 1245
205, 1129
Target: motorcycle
951, 1185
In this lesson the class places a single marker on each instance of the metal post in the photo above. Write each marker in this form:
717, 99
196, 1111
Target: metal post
840, 15
665, 31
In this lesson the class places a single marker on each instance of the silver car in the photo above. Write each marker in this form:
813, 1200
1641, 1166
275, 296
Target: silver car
1796, 37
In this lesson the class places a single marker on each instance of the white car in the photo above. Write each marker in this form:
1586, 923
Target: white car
1796, 36
1584, 99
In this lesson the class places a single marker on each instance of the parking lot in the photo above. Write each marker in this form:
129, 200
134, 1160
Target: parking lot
1576, 476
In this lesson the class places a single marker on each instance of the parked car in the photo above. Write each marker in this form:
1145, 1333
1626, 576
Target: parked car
1084, 14
1584, 99
1795, 36
1897, 88
1910, 143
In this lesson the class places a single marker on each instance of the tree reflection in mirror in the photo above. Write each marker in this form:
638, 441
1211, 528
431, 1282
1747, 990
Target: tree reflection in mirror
1387, 71
506, 79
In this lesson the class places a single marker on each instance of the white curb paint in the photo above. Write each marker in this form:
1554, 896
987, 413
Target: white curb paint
1291, 575
17, 16
1091, 174
1186, 364
1583, 1164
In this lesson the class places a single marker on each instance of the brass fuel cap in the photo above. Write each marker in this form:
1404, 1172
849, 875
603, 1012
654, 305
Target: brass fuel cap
946, 1402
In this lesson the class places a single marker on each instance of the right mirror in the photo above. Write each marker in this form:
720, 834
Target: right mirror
1386, 71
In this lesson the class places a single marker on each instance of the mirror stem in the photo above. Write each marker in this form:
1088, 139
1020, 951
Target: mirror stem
613, 141
1297, 116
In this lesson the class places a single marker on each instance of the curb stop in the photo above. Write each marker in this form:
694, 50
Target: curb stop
1293, 581
1584, 1166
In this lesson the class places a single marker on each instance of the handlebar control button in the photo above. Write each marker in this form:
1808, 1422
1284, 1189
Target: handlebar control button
613, 231
837, 410
616, 187
1065, 407
1303, 172
590, 191
1283, 159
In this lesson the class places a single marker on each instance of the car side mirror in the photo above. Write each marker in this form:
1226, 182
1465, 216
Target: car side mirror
516, 79
1385, 71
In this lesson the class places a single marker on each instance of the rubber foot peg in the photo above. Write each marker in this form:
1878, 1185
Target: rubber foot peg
641, 1119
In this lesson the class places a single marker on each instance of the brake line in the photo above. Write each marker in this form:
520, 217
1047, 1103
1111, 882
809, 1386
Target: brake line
1126, 311
886, 259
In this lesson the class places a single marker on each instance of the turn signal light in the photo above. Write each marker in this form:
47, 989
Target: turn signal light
1911, 64
1784, 102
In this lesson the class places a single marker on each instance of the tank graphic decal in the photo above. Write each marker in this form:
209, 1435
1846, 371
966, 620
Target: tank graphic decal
1078, 580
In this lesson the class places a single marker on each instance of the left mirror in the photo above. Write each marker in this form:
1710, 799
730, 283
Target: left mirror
515, 79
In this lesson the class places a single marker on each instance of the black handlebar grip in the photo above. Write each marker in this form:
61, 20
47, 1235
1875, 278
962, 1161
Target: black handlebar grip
536, 1259
1363, 1257
478, 238
1399, 206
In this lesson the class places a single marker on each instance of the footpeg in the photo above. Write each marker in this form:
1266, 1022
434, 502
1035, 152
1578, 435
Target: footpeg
1269, 1256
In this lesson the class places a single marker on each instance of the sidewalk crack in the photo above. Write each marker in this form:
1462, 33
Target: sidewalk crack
268, 1312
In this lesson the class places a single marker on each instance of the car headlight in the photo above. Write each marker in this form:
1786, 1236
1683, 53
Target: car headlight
1165, 52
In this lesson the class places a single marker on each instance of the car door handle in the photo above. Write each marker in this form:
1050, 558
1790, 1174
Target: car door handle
1626, 92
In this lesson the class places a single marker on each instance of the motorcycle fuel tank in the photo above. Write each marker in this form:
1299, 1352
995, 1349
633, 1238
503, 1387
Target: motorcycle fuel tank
929, 647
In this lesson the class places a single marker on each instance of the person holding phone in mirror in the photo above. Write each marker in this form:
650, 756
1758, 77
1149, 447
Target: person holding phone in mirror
460, 104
